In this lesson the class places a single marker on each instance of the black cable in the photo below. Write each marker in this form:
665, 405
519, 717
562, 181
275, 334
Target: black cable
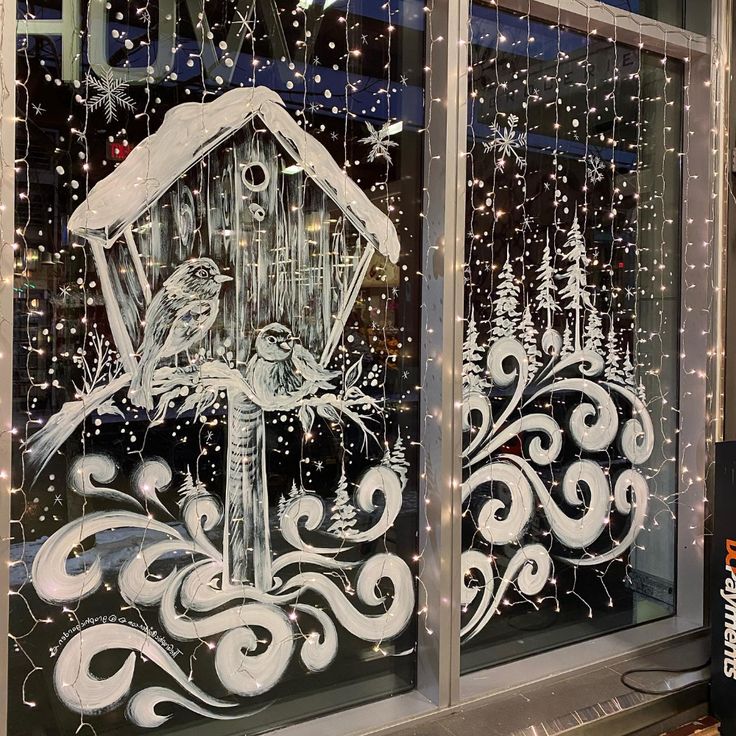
664, 670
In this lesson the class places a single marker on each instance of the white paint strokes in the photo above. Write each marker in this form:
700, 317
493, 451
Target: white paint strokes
84, 692
50, 578
88, 470
197, 128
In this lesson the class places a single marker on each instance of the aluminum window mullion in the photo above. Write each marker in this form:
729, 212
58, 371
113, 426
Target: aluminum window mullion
7, 267
442, 305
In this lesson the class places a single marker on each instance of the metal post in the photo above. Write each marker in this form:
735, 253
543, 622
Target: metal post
7, 265
442, 303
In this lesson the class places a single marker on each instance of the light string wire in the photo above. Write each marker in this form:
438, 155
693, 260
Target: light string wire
659, 195
86, 271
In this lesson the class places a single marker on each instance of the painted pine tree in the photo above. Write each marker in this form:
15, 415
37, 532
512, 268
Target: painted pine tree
473, 372
613, 358
567, 346
190, 488
629, 374
593, 337
343, 512
546, 298
575, 291
296, 491
281, 506
506, 315
396, 459
529, 341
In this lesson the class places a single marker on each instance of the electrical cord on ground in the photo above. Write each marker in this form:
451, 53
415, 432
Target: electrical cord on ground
666, 671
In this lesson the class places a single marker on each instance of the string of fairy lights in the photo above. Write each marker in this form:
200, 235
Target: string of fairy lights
657, 109
378, 304
651, 356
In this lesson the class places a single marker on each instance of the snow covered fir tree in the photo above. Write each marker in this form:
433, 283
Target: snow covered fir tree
506, 318
343, 516
395, 458
575, 292
545, 300
552, 301
473, 374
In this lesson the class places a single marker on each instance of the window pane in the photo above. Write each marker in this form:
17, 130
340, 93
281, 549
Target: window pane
216, 315
570, 368
667, 11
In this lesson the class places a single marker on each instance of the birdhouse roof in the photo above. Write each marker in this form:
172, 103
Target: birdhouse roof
188, 133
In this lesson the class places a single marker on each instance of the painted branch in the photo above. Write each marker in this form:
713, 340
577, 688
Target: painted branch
49, 439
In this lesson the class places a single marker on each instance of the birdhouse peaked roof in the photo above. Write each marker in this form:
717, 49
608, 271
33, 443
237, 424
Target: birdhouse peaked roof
188, 133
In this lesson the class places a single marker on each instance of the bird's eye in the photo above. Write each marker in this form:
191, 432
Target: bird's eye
202, 273
271, 339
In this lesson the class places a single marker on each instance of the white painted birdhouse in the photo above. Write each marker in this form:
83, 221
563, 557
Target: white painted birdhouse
238, 181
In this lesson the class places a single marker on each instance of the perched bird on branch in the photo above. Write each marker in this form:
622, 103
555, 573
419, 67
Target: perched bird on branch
281, 367
179, 315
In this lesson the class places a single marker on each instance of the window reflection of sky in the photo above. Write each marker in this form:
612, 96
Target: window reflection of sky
491, 29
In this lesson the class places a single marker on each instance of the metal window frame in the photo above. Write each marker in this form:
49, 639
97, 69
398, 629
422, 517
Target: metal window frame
439, 684
7, 267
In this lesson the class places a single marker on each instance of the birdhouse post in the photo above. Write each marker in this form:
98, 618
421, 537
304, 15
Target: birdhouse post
236, 180
247, 533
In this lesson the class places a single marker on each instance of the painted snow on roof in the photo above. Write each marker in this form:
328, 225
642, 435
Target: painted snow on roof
189, 132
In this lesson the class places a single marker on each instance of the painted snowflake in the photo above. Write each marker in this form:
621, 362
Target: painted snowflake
109, 94
505, 141
379, 141
594, 168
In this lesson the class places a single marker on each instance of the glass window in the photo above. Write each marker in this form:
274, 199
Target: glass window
216, 319
667, 11
570, 368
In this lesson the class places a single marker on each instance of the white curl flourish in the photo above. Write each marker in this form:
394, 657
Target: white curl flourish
85, 693
530, 568
49, 574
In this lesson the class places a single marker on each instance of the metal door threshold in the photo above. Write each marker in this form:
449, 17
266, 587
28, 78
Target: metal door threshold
625, 715
592, 701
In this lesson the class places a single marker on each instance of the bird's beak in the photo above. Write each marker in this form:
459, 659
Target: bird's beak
285, 344
221, 278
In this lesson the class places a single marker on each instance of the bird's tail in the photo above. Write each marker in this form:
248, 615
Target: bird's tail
141, 385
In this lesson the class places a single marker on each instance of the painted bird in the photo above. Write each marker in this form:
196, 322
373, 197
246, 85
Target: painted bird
180, 315
281, 367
